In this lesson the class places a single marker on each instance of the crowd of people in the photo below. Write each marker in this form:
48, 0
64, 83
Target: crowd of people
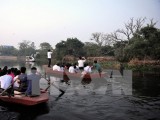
14, 79
81, 66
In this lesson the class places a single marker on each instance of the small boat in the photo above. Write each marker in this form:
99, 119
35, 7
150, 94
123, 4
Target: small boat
50, 71
25, 100
30, 59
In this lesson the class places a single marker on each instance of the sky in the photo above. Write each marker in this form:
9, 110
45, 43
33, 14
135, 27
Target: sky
52, 21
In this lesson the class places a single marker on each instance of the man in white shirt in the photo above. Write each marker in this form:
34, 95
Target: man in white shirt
71, 69
6, 84
81, 62
49, 56
6, 81
87, 69
57, 67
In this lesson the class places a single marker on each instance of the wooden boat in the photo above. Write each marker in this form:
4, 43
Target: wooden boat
25, 100
62, 74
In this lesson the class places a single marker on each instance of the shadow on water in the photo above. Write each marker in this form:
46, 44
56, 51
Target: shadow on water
19, 112
148, 85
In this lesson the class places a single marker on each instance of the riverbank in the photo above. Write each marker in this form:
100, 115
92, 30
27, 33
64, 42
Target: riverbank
8, 57
15, 58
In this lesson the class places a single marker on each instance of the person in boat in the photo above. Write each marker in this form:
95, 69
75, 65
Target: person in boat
33, 88
49, 56
88, 68
16, 80
72, 69
23, 80
81, 62
10, 72
6, 83
57, 67
97, 66
4, 70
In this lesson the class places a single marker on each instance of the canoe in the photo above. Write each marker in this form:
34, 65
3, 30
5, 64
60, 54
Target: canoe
25, 100
50, 71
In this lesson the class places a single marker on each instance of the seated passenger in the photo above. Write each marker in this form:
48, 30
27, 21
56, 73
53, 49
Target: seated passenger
33, 88
87, 68
57, 67
16, 80
6, 83
23, 80
72, 69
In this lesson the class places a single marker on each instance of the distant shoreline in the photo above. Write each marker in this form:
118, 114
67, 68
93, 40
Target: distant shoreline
8, 57
11, 58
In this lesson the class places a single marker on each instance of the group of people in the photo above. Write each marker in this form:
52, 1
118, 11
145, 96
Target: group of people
17, 79
81, 66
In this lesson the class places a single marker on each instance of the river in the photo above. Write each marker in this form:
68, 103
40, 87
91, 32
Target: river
117, 98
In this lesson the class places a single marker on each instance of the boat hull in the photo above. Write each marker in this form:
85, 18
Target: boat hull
25, 100
50, 71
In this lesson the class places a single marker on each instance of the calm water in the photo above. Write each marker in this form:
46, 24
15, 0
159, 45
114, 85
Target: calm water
116, 98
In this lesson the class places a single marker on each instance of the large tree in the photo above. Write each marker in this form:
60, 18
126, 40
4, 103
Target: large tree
26, 47
145, 45
72, 46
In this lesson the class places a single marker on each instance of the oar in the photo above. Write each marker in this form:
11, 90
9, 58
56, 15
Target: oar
111, 74
6, 89
58, 88
54, 86
59, 96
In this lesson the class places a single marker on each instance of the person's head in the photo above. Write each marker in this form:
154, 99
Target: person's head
18, 72
33, 70
5, 68
49, 50
9, 71
86, 64
95, 61
80, 57
23, 69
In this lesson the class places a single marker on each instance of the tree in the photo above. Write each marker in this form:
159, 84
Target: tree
72, 46
26, 48
8, 50
92, 49
101, 39
126, 36
44, 47
145, 45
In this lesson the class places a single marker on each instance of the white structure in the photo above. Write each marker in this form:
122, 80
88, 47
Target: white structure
30, 59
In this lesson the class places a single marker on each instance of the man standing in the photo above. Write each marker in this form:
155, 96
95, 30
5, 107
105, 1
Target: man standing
49, 53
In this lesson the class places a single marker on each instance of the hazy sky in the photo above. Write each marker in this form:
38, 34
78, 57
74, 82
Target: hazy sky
55, 20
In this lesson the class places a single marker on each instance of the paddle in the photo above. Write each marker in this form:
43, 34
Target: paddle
58, 88
59, 96
6, 89
111, 74
54, 86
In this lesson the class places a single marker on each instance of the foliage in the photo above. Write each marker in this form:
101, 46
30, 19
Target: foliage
145, 45
8, 50
72, 46
44, 47
26, 48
